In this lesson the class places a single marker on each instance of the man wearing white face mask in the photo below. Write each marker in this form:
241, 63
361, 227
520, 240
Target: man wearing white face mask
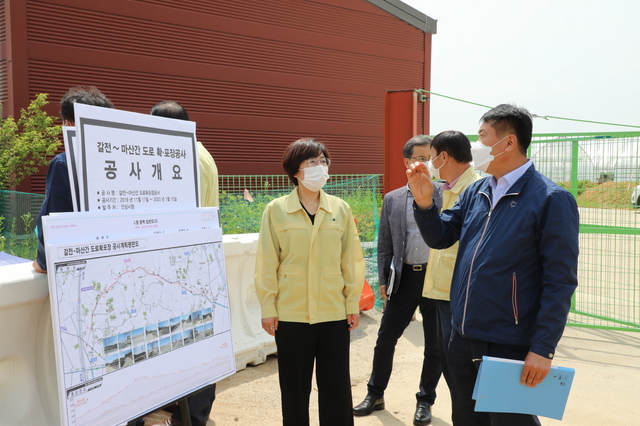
482, 156
516, 268
402, 249
451, 161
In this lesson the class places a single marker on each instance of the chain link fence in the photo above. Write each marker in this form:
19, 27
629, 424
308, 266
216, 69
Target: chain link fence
244, 197
242, 201
602, 170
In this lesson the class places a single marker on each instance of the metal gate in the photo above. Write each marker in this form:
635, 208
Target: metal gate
602, 170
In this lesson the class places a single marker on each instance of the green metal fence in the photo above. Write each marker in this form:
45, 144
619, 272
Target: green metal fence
242, 201
244, 197
602, 171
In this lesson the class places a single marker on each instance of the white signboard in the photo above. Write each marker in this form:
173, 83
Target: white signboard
138, 320
84, 226
130, 161
69, 137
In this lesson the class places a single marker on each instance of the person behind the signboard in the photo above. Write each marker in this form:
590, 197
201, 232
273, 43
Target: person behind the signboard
309, 277
57, 196
209, 196
201, 402
450, 160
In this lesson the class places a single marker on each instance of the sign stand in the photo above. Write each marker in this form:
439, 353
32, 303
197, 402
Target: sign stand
129, 189
182, 406
184, 410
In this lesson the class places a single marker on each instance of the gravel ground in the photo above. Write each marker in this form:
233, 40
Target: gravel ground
252, 396
605, 390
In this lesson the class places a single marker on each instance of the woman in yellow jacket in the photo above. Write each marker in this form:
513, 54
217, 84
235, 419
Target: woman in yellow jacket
309, 277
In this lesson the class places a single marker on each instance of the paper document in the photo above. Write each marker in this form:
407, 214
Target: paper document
139, 306
392, 278
498, 389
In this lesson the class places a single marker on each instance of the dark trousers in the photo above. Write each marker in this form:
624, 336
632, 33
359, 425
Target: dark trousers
299, 345
463, 366
199, 407
444, 335
397, 316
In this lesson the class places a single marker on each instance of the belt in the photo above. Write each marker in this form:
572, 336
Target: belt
417, 267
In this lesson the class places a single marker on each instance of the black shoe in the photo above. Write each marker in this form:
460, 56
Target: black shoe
368, 406
423, 414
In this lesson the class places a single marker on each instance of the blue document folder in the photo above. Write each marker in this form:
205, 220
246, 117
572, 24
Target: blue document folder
498, 389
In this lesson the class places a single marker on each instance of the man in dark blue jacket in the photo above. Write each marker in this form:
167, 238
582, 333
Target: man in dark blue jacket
517, 261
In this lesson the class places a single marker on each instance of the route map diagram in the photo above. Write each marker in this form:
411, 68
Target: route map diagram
120, 310
137, 281
142, 315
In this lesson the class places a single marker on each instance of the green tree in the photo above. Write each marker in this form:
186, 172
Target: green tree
26, 144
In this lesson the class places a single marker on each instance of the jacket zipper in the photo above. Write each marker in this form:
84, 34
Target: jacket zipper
473, 258
514, 297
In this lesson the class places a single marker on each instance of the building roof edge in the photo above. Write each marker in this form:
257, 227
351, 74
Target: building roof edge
407, 14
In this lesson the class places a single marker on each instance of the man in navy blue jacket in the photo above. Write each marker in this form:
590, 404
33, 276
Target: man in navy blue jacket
517, 261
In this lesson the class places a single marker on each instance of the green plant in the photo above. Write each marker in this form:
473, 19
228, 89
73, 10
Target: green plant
13, 236
238, 216
2, 238
26, 144
365, 206
23, 245
29, 244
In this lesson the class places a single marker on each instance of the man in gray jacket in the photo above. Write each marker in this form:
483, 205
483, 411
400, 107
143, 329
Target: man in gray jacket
402, 263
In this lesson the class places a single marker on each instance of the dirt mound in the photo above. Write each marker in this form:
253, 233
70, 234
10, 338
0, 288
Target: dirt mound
608, 194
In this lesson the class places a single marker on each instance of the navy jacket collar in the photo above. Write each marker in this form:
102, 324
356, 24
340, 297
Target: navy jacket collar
516, 187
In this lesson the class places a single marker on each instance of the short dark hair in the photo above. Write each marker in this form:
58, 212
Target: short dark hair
170, 109
420, 140
89, 95
297, 152
454, 143
509, 117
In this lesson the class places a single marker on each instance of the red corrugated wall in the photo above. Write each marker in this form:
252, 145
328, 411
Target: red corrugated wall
254, 74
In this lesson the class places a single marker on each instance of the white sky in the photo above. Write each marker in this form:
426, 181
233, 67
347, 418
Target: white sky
567, 58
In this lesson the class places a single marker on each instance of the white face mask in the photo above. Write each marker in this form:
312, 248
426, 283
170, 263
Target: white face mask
315, 177
432, 170
481, 154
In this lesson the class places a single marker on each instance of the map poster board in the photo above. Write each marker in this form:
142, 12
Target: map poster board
138, 321
131, 161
